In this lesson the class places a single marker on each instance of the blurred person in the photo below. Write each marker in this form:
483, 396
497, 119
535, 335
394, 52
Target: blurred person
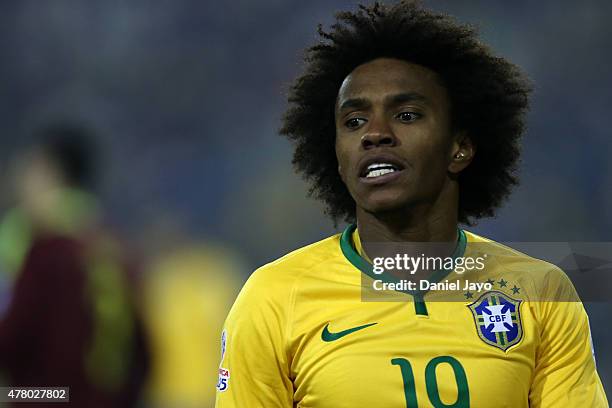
189, 287
71, 320
52, 182
406, 125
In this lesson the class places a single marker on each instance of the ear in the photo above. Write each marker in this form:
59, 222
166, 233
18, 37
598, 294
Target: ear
462, 153
340, 173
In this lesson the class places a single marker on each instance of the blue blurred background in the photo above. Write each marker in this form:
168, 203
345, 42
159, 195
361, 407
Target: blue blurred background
187, 98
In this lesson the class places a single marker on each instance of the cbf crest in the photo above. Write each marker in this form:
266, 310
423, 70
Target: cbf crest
498, 319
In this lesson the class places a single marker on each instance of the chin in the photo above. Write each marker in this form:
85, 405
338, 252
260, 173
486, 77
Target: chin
384, 203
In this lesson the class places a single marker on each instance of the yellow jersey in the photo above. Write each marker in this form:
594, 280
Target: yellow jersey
302, 334
187, 293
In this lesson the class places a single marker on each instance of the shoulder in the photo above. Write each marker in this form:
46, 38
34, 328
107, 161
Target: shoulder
268, 293
277, 277
545, 280
53, 253
286, 270
49, 244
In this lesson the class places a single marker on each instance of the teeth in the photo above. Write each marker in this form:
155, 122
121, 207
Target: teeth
378, 173
379, 165
379, 169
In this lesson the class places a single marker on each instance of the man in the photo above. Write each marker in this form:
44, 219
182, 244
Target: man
188, 288
71, 318
407, 125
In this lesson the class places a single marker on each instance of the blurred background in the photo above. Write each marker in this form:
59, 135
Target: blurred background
181, 102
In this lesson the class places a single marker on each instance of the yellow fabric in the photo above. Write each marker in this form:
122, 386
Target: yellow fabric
275, 355
187, 295
358, 247
112, 315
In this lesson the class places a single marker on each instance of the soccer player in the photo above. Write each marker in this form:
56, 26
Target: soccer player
406, 125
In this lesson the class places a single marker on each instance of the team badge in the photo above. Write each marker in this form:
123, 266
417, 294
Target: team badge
498, 319
224, 374
223, 343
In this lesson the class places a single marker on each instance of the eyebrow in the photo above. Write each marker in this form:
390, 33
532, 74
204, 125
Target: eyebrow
406, 97
355, 103
362, 103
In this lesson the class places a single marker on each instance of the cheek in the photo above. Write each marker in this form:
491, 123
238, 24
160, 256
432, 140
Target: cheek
429, 159
342, 157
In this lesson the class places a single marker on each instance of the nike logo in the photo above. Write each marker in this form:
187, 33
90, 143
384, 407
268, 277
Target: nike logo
328, 336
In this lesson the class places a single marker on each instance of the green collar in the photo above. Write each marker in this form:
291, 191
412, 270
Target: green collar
348, 249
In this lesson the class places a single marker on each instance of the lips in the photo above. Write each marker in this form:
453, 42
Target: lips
379, 166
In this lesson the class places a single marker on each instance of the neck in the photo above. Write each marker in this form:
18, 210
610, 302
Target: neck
428, 229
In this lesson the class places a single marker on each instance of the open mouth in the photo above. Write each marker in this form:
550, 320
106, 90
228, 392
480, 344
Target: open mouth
379, 169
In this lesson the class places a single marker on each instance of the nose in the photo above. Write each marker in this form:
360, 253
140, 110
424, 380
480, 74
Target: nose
378, 135
378, 138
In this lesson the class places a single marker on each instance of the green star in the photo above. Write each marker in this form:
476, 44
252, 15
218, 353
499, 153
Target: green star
502, 283
515, 290
469, 295
490, 281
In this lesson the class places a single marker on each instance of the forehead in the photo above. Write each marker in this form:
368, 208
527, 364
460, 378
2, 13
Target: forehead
387, 76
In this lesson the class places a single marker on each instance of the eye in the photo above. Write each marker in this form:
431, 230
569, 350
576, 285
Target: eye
408, 116
354, 123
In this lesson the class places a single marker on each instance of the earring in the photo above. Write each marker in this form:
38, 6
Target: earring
460, 155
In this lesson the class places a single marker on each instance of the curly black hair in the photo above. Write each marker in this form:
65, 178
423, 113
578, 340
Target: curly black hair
488, 94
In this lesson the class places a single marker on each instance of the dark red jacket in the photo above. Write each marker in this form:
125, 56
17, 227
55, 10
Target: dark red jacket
49, 328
